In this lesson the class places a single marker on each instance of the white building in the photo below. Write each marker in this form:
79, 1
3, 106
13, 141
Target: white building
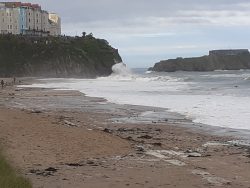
28, 19
55, 24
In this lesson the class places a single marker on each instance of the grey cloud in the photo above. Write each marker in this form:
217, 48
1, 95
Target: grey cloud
101, 10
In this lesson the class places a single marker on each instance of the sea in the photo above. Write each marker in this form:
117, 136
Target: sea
218, 98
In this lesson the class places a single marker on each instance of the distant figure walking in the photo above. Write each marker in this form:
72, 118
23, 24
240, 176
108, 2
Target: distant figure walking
2, 83
14, 80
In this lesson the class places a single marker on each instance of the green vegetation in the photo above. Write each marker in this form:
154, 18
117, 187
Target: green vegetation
204, 63
64, 56
9, 177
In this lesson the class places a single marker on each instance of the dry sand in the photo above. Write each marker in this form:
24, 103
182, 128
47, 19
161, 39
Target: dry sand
64, 139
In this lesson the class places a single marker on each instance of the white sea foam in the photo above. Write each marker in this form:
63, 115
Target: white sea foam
171, 91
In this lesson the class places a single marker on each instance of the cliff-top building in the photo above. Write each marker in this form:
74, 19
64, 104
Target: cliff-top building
28, 19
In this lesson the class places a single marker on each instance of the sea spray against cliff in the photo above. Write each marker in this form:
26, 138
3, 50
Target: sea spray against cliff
121, 69
120, 72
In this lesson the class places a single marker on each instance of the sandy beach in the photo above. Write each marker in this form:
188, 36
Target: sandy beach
65, 139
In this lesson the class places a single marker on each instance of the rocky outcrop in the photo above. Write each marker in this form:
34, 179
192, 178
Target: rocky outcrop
85, 56
205, 63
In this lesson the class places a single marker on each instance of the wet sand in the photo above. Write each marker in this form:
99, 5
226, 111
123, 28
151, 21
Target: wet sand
65, 139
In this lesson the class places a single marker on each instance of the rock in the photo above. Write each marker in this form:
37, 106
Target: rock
157, 144
121, 129
47, 172
145, 137
90, 162
106, 130
140, 148
248, 155
70, 123
194, 154
36, 111
51, 169
74, 164
129, 138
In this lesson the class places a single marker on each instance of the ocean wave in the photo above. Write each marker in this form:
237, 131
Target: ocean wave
246, 78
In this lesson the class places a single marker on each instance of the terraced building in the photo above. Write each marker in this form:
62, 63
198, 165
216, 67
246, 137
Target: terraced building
28, 19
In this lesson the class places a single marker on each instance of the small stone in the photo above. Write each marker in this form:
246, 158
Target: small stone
106, 130
51, 169
140, 148
36, 111
157, 144
145, 137
194, 154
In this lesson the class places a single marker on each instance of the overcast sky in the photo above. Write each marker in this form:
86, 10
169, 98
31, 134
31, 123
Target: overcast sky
146, 31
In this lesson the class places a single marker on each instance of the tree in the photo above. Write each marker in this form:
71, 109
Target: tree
83, 34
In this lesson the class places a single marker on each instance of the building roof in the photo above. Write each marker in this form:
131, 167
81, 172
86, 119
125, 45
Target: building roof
20, 4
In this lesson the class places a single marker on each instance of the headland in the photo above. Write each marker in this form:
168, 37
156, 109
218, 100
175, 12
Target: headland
216, 60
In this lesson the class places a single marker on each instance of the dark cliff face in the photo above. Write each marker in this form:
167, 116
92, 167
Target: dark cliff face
86, 56
205, 63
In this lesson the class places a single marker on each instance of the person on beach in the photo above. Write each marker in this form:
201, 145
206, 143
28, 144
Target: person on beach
2, 83
14, 80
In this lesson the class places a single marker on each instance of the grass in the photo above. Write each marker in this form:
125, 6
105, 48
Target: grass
9, 178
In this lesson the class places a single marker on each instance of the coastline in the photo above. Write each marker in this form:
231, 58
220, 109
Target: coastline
121, 148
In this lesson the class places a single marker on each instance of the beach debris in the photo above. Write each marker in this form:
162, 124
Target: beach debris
130, 138
125, 130
74, 164
140, 148
215, 144
106, 130
157, 154
239, 142
93, 162
194, 154
175, 162
157, 144
247, 155
212, 179
191, 153
46, 172
36, 111
70, 123
145, 137
51, 169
